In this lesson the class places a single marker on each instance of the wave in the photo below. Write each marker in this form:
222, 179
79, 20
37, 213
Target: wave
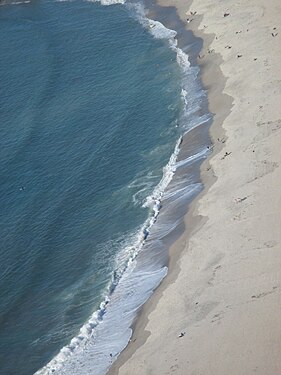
2, 3
140, 265
129, 252
198, 156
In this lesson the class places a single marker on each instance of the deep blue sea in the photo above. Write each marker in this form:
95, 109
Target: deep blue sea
93, 102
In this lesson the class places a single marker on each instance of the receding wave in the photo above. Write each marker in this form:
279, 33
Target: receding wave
139, 266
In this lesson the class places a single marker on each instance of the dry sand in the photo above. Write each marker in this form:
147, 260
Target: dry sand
224, 291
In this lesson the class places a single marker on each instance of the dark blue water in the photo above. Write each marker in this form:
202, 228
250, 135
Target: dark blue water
89, 103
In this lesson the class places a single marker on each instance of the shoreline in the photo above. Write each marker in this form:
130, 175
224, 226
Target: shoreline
177, 199
176, 239
192, 321
192, 221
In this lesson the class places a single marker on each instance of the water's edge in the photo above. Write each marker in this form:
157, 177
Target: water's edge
170, 201
192, 45
211, 77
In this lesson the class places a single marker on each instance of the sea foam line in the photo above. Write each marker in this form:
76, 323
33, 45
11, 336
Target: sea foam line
86, 332
14, 2
191, 104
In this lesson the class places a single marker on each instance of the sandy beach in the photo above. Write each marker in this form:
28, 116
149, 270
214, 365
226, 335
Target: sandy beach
223, 291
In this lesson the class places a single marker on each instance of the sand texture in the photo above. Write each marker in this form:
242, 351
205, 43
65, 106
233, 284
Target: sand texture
224, 293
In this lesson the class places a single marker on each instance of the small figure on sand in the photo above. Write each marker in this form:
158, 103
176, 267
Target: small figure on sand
225, 155
181, 334
239, 200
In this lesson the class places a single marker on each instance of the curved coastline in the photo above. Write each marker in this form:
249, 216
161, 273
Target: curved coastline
152, 264
191, 40
181, 182
229, 327
176, 199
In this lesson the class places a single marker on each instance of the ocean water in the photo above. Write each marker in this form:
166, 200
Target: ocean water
94, 102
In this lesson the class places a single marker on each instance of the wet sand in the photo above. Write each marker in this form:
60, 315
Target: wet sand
223, 290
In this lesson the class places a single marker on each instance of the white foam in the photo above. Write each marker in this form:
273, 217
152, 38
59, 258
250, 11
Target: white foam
168, 172
199, 155
111, 2
15, 2
102, 2
124, 266
159, 31
129, 288
180, 193
77, 358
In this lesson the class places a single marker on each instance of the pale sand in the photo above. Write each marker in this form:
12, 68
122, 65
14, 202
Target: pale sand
225, 290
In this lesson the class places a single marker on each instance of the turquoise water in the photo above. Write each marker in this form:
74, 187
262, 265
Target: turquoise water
94, 100
89, 108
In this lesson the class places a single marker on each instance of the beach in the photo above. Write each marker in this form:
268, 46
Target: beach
218, 310
90, 137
